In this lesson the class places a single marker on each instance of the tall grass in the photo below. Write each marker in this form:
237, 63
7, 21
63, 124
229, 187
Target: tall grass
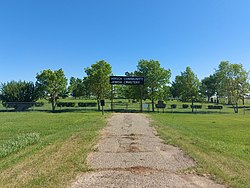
58, 153
17, 143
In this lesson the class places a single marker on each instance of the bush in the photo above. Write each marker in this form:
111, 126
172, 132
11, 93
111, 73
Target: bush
173, 106
185, 106
214, 107
196, 106
87, 104
39, 104
19, 106
14, 92
65, 104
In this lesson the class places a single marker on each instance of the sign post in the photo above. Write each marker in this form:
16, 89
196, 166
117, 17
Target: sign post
102, 104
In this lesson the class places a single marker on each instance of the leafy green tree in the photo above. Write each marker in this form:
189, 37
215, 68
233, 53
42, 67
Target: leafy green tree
98, 80
76, 87
86, 88
20, 91
221, 80
187, 84
155, 78
208, 86
176, 87
133, 91
165, 92
232, 82
51, 85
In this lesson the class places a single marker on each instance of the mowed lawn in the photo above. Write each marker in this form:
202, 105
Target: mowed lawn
59, 153
220, 143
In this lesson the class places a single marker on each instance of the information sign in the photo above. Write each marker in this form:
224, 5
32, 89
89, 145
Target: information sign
127, 80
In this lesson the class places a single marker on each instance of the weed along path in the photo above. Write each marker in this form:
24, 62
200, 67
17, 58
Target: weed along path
129, 154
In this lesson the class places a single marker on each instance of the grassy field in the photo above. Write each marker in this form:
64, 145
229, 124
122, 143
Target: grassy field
39, 148
49, 149
220, 143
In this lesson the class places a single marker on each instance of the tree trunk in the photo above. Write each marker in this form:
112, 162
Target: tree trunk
243, 100
153, 105
98, 104
192, 105
53, 104
236, 109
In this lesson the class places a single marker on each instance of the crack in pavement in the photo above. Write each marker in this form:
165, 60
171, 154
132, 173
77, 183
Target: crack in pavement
130, 155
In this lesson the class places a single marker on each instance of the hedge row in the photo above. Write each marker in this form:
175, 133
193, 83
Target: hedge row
214, 107
87, 104
65, 104
196, 106
80, 104
39, 104
173, 106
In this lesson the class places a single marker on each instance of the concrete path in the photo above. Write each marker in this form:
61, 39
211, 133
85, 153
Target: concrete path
130, 155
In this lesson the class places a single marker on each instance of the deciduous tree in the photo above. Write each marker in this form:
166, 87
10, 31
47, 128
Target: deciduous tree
76, 87
187, 85
98, 80
208, 86
51, 85
20, 91
232, 82
155, 77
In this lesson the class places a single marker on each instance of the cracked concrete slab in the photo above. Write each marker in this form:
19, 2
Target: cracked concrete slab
130, 155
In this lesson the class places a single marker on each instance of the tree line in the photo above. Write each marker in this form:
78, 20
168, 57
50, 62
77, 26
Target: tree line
229, 81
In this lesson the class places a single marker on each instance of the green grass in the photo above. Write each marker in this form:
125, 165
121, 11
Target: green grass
220, 143
56, 157
18, 143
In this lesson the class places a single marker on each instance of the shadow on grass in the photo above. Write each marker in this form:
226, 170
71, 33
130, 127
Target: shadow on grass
75, 110
196, 112
56, 111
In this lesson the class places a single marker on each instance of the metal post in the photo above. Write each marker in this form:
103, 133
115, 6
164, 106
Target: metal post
112, 93
141, 96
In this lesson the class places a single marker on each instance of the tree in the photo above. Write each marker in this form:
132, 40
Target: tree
132, 91
76, 87
221, 80
232, 82
187, 85
51, 85
155, 77
98, 80
20, 91
208, 86
176, 87
165, 92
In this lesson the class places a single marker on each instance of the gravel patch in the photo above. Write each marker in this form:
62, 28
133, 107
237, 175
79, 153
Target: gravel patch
130, 155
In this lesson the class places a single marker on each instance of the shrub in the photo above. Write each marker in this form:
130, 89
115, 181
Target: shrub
19, 106
39, 104
65, 104
185, 106
196, 106
87, 104
214, 107
21, 91
173, 105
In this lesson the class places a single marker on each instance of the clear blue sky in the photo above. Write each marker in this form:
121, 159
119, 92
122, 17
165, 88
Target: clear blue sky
73, 34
